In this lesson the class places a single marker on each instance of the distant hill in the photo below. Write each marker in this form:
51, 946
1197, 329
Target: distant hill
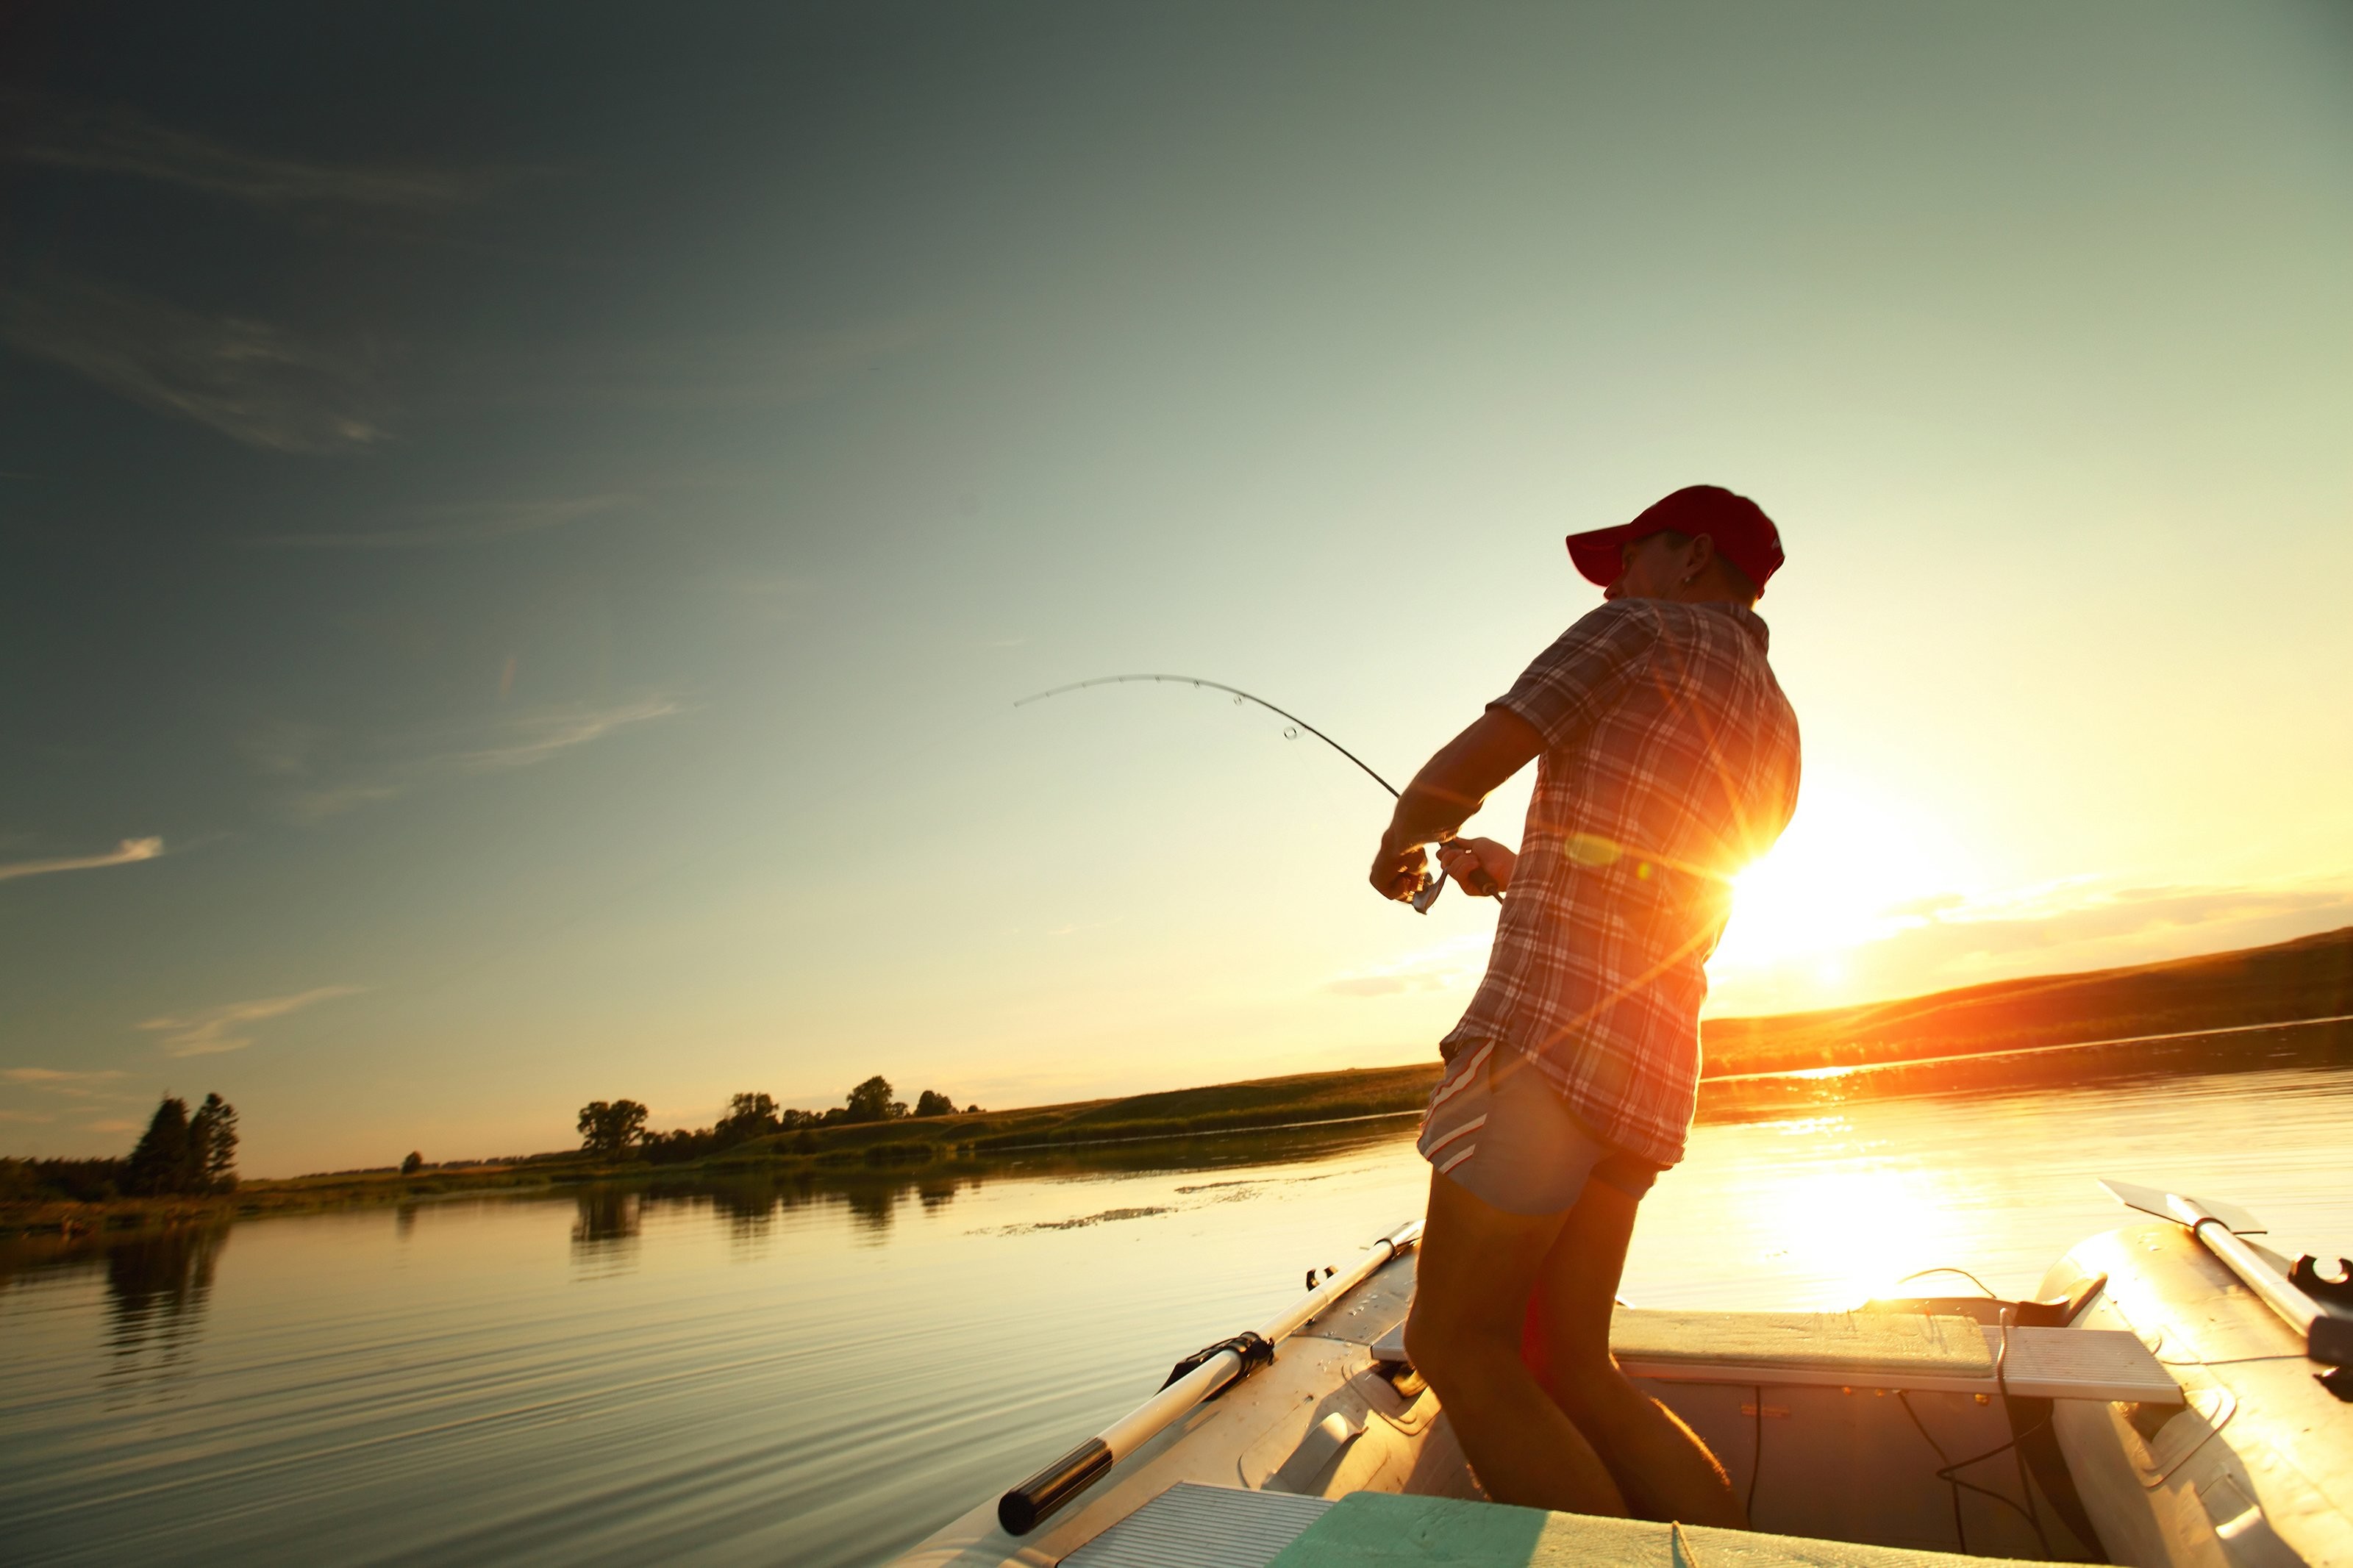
2311, 977
2291, 982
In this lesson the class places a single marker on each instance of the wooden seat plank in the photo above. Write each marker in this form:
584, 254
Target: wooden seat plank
1895, 1351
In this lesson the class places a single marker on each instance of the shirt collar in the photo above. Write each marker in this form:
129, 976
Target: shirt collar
1747, 620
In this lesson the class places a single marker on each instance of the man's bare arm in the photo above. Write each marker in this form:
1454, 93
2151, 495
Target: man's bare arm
1451, 785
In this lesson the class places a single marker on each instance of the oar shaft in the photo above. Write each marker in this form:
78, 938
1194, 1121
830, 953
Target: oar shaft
2327, 1338
1020, 1509
1308, 1306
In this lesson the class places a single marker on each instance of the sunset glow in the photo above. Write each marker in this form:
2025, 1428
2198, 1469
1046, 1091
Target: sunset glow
534, 602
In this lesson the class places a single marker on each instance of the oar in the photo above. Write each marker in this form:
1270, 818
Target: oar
2327, 1337
1195, 1379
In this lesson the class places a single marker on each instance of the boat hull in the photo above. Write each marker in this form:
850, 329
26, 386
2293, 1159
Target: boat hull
2256, 1470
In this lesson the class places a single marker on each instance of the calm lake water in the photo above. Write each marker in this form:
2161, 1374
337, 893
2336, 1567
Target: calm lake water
823, 1374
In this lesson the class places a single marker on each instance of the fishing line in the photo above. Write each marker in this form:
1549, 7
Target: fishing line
1422, 900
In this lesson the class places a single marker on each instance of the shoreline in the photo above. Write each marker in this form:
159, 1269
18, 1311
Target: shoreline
967, 1142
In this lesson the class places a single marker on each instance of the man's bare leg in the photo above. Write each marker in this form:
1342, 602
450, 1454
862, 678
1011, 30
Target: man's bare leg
1479, 1264
1662, 1469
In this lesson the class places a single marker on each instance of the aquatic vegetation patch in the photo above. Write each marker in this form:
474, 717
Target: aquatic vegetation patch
1079, 1222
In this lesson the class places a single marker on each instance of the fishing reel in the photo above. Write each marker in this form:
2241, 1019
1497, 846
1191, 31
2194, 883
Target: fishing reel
1480, 883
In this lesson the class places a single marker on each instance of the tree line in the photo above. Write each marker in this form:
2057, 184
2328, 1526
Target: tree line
614, 1128
182, 1153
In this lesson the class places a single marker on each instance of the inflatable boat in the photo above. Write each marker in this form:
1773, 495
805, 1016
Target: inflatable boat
2178, 1395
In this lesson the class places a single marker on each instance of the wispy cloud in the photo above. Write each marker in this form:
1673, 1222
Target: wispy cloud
112, 140
213, 1030
62, 1079
1445, 965
113, 1125
333, 781
129, 852
248, 379
531, 739
456, 525
25, 1116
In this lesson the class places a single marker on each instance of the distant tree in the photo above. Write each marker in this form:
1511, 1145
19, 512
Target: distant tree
212, 1146
414, 1163
160, 1163
609, 1128
871, 1102
752, 1114
932, 1102
972, 1111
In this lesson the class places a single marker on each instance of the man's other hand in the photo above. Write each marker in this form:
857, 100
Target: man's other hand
1400, 871
1479, 866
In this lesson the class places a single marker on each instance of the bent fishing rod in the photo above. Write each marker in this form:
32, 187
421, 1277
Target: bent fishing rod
1484, 883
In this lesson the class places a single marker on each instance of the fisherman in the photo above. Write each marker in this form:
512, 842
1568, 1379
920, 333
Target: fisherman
1666, 761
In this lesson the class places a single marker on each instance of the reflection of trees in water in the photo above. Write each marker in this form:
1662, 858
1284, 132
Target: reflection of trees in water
157, 1286
609, 1219
874, 1203
748, 1211
750, 1206
611, 1215
404, 1220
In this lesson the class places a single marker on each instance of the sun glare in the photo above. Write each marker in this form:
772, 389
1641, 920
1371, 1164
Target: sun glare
1846, 1236
1854, 868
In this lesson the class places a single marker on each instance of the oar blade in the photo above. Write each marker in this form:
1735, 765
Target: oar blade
2156, 1201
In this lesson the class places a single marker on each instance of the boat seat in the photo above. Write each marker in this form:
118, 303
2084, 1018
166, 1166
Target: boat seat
1388, 1530
1875, 1350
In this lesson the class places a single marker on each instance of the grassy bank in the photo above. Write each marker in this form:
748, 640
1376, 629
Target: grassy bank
2311, 977
2291, 980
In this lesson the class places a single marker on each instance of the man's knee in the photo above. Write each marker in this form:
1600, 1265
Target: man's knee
1426, 1341
1582, 1381
1439, 1344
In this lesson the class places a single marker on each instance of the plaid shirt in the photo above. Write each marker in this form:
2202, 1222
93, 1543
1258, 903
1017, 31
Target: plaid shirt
1669, 762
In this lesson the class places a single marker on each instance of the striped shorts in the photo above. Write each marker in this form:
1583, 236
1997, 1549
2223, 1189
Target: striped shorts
1507, 1137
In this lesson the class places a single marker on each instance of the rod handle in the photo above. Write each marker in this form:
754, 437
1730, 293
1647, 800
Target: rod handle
1019, 1509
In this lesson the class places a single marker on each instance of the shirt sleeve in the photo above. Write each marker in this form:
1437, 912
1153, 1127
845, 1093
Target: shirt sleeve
1576, 680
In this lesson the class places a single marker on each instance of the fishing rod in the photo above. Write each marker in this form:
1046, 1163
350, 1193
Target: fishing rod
1482, 881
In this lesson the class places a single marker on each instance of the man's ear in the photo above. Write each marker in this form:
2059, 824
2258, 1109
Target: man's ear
1699, 555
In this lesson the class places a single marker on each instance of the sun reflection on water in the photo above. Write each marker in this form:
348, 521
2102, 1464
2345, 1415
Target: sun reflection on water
1836, 1219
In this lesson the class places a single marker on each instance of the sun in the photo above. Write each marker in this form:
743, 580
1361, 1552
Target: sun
1854, 868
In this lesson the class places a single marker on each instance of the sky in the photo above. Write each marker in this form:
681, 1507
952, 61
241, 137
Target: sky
524, 527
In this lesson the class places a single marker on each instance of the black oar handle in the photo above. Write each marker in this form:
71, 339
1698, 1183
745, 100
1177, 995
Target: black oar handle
1019, 1509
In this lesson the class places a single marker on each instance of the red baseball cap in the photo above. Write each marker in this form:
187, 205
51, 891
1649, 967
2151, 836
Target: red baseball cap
1744, 535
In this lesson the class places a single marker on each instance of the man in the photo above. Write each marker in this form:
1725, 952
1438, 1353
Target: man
1668, 760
